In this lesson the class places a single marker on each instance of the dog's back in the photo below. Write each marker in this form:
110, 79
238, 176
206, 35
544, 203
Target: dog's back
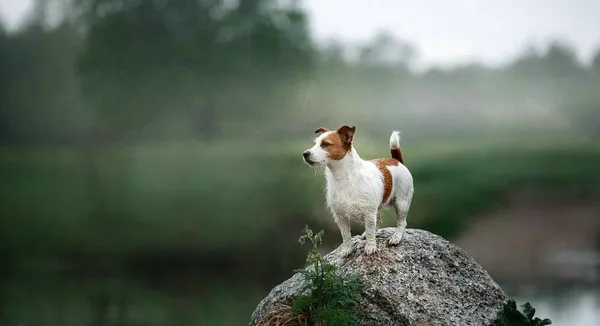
397, 180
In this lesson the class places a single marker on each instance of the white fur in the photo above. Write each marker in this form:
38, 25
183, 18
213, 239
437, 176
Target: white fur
395, 140
355, 190
318, 154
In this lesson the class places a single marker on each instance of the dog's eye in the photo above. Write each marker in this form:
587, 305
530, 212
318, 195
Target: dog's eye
325, 144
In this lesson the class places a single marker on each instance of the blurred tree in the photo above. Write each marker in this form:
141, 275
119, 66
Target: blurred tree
333, 55
561, 60
175, 68
596, 62
385, 49
40, 101
582, 105
6, 77
586, 113
38, 16
576, 88
544, 81
144, 59
558, 61
144, 64
529, 63
382, 73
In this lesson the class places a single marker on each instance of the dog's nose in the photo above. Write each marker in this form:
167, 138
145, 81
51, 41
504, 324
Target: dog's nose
306, 154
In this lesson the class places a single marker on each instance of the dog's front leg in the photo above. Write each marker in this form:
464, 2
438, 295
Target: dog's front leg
344, 226
370, 229
363, 236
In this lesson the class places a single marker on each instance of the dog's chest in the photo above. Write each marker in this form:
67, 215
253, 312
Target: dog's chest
355, 195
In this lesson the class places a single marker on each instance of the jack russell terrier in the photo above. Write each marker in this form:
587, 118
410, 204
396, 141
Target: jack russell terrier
358, 189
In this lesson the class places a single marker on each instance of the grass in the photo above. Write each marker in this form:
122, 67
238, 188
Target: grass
470, 182
48, 300
188, 196
233, 201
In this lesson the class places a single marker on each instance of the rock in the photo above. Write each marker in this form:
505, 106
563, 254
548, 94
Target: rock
426, 280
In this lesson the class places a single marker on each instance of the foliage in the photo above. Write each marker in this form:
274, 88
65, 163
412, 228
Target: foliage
329, 296
191, 69
471, 181
179, 209
184, 53
510, 315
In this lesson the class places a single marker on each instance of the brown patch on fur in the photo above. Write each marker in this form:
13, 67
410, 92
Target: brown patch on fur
397, 154
321, 130
388, 182
335, 146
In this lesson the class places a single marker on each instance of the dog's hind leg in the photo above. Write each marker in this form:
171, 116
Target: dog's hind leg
401, 205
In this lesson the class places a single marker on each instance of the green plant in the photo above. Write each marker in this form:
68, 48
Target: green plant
511, 316
328, 297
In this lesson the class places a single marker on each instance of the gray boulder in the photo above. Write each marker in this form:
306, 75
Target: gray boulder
426, 280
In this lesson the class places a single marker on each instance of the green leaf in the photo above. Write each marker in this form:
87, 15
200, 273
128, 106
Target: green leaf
328, 297
302, 303
509, 315
539, 322
528, 310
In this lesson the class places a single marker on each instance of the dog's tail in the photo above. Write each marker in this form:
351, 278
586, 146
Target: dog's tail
395, 146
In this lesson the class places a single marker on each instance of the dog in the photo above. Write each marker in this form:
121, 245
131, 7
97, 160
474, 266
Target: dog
358, 189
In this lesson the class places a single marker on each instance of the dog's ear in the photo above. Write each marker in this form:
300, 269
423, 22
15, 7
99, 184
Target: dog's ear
346, 134
320, 130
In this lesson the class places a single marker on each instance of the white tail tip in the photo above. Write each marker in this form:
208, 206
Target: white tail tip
395, 139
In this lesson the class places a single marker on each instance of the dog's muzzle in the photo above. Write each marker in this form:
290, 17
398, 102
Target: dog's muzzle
306, 156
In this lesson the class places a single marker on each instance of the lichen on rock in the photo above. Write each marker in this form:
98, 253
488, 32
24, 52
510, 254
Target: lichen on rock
426, 280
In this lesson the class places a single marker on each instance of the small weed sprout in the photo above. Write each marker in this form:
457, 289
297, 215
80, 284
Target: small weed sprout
328, 297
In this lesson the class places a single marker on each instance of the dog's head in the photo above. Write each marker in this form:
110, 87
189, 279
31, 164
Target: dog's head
331, 145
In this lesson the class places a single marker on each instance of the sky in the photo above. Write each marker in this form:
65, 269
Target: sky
444, 32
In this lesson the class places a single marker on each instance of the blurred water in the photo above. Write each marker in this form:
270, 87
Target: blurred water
568, 293
580, 307
53, 301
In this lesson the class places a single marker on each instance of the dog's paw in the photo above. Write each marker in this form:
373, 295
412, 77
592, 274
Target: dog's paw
370, 248
346, 250
395, 239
